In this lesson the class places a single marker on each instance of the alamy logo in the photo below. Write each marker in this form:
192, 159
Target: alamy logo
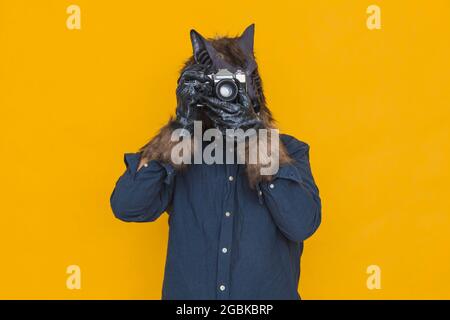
241, 147
374, 278
73, 21
374, 20
73, 281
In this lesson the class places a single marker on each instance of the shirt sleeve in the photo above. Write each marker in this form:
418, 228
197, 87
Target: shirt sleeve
292, 197
142, 196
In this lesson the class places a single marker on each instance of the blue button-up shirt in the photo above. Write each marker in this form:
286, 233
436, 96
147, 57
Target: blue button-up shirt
226, 240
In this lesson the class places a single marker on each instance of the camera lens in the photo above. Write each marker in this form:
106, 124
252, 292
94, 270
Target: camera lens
226, 90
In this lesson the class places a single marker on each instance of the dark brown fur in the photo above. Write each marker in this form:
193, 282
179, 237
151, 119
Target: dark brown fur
159, 147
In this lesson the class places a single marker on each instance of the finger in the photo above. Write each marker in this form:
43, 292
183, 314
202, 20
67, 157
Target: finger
251, 123
193, 89
205, 89
218, 121
244, 98
186, 89
223, 118
203, 85
195, 75
216, 103
192, 69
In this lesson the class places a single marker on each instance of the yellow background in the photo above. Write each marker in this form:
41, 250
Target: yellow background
373, 105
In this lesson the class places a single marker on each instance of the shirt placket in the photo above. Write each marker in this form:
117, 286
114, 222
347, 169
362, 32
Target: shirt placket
226, 236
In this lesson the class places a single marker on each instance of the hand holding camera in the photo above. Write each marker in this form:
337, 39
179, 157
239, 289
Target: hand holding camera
192, 83
223, 95
237, 114
230, 107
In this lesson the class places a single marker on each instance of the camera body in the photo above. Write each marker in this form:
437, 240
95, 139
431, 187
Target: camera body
227, 84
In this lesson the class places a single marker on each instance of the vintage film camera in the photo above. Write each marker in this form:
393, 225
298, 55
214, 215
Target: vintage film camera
227, 84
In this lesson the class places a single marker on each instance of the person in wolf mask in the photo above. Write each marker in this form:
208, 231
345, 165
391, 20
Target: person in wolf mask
234, 233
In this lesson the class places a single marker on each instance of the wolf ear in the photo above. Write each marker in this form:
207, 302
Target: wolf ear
247, 38
199, 48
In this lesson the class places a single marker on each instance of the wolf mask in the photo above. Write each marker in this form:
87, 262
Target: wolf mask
204, 53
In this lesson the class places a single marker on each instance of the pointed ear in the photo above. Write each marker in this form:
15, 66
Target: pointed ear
246, 40
198, 46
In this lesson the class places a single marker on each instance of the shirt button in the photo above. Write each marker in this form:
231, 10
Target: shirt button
271, 186
224, 250
230, 178
260, 193
146, 165
227, 214
222, 288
